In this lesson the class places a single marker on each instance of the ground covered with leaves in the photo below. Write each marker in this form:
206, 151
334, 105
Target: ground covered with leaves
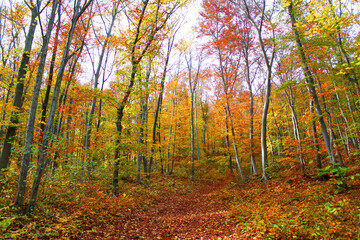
169, 207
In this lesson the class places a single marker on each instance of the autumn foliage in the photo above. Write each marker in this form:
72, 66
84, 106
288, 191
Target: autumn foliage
133, 126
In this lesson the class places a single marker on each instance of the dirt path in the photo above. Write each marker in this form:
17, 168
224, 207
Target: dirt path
180, 216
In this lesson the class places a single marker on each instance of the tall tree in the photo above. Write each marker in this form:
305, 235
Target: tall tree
19, 89
151, 17
31, 120
193, 82
261, 18
108, 30
78, 10
311, 83
170, 44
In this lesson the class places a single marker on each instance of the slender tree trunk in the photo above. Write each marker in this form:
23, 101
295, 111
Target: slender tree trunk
140, 141
42, 162
192, 136
196, 131
251, 127
311, 86
205, 127
51, 75
346, 144
278, 140
8, 96
17, 101
174, 139
170, 134
68, 127
146, 121
160, 97
192, 87
58, 122
19, 201
296, 127
264, 126
314, 135
119, 127
93, 103
228, 142
234, 143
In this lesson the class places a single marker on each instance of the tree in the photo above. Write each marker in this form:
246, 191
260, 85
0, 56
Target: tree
258, 15
160, 97
31, 120
17, 101
311, 83
79, 9
108, 30
149, 19
193, 82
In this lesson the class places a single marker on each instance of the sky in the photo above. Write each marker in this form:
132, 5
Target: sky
192, 14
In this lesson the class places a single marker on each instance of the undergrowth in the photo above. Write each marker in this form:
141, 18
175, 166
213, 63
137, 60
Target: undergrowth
69, 206
290, 206
294, 207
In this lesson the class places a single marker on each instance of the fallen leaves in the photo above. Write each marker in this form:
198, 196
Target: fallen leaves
295, 207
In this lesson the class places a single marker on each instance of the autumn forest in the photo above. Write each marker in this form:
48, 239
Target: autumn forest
179, 119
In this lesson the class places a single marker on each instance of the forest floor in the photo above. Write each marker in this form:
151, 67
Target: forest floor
172, 207
190, 214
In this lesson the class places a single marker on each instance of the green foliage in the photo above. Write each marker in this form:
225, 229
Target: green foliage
5, 223
340, 174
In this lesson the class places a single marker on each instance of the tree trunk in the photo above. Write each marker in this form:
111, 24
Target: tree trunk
264, 126
192, 87
19, 201
93, 102
251, 127
170, 131
234, 143
192, 134
160, 98
59, 120
296, 127
51, 75
174, 139
228, 142
197, 132
17, 101
314, 136
42, 162
140, 141
119, 127
8, 96
311, 86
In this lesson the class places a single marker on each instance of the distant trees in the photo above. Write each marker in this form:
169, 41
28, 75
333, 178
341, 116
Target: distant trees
124, 94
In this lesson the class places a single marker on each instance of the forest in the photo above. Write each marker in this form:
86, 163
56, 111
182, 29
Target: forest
179, 119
